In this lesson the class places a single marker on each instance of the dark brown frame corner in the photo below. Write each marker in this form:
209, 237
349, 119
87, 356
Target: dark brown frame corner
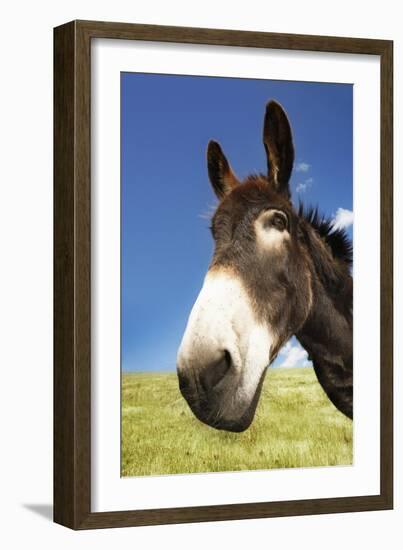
72, 265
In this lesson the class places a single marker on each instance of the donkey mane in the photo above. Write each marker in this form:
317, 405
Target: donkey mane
336, 239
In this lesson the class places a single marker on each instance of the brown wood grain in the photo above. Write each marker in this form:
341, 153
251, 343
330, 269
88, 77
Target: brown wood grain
72, 269
64, 382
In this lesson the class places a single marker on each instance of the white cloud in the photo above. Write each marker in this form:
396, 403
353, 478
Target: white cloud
286, 348
294, 356
302, 167
343, 219
303, 186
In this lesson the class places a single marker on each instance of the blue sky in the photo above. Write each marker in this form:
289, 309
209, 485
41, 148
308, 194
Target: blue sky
166, 123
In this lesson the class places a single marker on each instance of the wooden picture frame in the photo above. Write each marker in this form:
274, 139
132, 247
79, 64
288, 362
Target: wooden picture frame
72, 270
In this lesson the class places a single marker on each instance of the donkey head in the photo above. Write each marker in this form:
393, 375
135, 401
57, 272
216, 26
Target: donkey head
257, 291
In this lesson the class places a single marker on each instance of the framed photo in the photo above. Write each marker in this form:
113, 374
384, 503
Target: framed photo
222, 275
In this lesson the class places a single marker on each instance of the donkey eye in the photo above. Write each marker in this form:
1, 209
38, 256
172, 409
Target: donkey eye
279, 221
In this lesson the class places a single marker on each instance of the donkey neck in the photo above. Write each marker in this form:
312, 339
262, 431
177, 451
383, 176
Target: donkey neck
327, 336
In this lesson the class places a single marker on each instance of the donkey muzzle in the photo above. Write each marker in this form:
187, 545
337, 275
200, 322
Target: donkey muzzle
223, 355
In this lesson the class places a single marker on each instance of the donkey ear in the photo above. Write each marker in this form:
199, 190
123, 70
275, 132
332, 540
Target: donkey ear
220, 173
277, 139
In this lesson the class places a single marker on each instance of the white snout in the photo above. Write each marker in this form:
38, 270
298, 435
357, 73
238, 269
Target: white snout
222, 321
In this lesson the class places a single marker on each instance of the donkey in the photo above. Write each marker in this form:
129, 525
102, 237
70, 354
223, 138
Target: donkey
276, 271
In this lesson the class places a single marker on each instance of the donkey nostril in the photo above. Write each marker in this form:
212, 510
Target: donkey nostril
213, 374
227, 359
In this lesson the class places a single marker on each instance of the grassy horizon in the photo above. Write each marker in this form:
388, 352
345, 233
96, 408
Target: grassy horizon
295, 426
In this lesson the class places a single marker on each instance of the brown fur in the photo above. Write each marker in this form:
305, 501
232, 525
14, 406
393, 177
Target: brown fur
295, 270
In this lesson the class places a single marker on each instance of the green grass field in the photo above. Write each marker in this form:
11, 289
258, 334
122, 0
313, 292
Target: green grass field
295, 426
